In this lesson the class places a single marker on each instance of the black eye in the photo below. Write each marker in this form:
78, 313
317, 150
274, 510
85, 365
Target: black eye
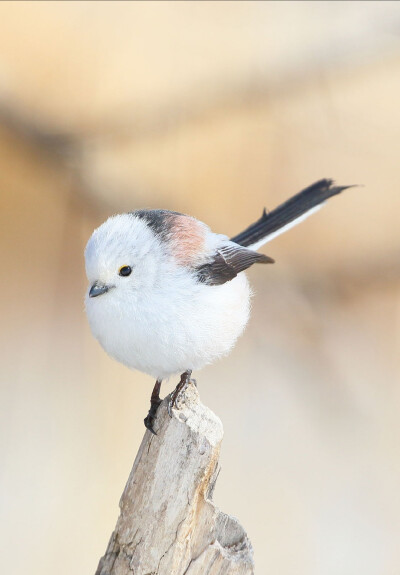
125, 271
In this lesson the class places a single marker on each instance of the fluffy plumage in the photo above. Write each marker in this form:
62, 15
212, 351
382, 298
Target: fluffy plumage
160, 320
187, 299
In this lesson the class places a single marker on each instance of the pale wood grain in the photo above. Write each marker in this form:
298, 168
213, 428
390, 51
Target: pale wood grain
168, 524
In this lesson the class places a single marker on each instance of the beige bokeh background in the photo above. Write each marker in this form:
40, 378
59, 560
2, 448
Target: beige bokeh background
215, 109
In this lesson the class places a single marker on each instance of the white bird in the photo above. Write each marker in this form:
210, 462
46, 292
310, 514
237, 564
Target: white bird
174, 295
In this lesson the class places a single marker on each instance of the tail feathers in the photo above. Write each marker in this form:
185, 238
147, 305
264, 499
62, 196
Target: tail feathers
288, 214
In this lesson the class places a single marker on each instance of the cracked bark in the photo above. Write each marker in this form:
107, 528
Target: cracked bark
168, 524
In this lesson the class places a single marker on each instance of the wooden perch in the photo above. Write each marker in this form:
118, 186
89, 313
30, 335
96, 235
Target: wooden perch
168, 524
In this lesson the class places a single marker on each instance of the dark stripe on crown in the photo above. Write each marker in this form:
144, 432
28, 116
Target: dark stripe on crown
159, 221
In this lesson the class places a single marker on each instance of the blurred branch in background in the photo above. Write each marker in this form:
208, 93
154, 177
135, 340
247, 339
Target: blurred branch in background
64, 151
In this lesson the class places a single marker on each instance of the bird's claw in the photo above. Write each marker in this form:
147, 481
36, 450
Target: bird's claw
173, 402
179, 391
149, 422
151, 416
155, 401
170, 405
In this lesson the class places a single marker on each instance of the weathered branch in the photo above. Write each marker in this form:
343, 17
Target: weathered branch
168, 524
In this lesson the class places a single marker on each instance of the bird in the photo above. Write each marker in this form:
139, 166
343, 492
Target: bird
168, 296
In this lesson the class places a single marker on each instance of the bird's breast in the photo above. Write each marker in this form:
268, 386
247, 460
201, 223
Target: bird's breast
182, 326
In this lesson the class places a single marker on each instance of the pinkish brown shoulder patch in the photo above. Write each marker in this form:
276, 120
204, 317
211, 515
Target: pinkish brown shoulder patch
187, 239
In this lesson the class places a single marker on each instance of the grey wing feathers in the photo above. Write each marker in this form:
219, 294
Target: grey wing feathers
228, 261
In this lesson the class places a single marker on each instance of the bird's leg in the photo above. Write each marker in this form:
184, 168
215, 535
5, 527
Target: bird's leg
154, 403
179, 389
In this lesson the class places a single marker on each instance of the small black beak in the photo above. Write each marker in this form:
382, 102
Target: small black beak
97, 289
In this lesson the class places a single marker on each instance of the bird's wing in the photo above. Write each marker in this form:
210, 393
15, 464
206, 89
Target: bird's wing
227, 262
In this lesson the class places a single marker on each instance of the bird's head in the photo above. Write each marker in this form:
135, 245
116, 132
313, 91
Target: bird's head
122, 257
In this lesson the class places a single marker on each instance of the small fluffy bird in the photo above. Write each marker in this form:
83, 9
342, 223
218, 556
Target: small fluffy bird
167, 295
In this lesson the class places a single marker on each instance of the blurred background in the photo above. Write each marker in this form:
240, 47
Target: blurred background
216, 109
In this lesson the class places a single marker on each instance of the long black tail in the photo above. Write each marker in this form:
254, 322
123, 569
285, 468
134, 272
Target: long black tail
284, 216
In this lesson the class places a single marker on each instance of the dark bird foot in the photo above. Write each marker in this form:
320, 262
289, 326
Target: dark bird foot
155, 401
180, 390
